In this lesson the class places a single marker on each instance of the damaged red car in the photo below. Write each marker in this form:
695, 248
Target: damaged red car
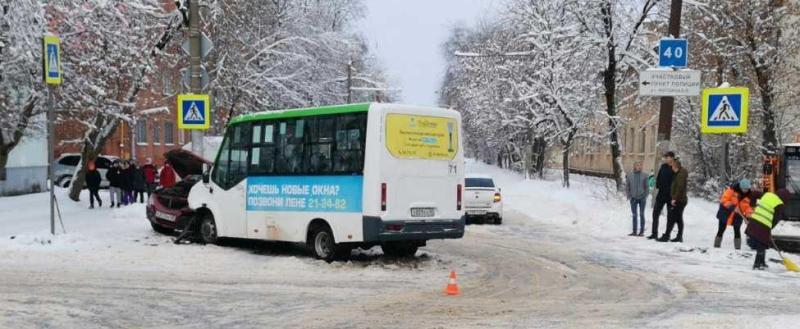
168, 209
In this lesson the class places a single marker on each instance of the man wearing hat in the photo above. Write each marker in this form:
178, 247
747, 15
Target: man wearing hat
734, 204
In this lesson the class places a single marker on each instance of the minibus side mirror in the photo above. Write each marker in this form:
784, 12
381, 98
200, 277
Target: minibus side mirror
206, 171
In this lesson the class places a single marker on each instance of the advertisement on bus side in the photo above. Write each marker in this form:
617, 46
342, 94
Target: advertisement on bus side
305, 193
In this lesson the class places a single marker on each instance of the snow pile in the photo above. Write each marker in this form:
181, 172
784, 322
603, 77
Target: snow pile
593, 215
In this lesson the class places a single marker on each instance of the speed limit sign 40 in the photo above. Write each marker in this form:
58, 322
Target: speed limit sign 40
673, 53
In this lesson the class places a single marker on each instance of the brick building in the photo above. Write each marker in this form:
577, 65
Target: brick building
154, 130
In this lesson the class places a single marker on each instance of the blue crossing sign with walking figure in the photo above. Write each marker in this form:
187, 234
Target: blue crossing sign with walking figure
194, 111
673, 53
725, 110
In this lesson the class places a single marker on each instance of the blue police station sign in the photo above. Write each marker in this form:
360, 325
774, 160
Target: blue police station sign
305, 193
673, 53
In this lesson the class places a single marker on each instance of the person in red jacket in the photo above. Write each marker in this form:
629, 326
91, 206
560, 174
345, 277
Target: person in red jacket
150, 173
167, 176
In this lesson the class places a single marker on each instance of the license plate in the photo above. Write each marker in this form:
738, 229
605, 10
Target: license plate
165, 216
422, 212
476, 212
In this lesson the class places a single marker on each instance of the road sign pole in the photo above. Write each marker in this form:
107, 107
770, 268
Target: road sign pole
668, 103
195, 58
51, 157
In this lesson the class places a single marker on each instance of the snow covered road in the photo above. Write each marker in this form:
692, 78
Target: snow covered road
555, 263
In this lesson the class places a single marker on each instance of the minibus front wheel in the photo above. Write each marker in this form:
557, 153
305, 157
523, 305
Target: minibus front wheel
208, 228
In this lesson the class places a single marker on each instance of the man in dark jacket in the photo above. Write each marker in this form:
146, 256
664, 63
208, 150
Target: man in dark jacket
126, 183
769, 211
680, 199
93, 180
663, 186
114, 177
139, 183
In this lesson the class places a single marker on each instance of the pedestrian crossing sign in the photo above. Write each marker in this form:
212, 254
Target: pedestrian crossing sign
725, 110
194, 111
51, 60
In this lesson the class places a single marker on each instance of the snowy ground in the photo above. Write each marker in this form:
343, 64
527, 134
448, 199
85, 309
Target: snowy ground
561, 259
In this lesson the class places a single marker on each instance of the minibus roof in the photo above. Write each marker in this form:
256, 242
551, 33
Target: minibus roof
302, 112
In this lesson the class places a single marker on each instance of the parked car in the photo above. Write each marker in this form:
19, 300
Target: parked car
68, 162
482, 200
167, 208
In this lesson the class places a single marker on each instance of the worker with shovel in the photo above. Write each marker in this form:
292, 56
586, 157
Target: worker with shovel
769, 211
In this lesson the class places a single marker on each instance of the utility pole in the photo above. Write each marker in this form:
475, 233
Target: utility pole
668, 103
349, 82
195, 58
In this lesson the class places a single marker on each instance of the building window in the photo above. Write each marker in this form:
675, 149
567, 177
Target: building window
181, 136
643, 140
631, 140
141, 131
166, 81
169, 135
156, 134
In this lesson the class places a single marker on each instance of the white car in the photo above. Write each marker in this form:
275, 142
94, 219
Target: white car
67, 163
482, 199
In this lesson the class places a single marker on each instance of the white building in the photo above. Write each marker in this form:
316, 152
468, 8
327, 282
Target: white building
26, 170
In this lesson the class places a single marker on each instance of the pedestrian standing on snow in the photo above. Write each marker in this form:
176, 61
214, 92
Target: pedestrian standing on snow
636, 189
769, 211
114, 177
663, 196
167, 176
678, 203
150, 173
733, 204
139, 183
127, 183
93, 180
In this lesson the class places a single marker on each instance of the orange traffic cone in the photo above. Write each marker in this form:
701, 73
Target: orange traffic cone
452, 287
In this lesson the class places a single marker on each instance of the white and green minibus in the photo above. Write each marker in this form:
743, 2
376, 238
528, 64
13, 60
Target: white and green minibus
336, 178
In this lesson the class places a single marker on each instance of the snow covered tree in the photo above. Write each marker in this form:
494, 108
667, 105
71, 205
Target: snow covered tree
524, 84
759, 39
615, 30
104, 70
21, 86
562, 91
281, 54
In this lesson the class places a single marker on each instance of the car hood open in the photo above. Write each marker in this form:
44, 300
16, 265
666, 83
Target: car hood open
185, 163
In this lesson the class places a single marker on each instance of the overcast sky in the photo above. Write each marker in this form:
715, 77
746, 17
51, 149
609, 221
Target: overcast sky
406, 35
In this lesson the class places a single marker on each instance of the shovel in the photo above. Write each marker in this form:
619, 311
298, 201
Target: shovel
792, 267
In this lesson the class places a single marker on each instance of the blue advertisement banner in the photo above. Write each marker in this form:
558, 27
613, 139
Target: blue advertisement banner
305, 193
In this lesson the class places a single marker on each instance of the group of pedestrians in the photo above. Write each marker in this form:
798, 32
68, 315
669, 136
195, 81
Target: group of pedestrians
740, 202
671, 192
128, 182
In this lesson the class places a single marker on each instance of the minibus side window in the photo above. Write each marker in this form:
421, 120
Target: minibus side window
319, 145
220, 174
289, 159
262, 157
240, 148
350, 136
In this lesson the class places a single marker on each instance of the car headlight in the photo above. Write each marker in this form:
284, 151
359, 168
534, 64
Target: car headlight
150, 201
